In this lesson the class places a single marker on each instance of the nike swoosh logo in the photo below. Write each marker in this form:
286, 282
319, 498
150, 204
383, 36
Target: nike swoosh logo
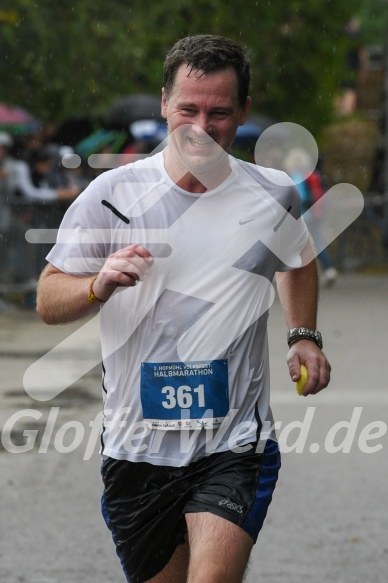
241, 222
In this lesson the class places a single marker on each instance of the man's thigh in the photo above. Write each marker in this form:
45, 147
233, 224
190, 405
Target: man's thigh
216, 550
219, 549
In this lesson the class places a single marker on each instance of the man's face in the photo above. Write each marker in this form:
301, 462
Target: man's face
201, 112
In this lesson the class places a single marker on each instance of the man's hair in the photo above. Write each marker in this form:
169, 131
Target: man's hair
208, 53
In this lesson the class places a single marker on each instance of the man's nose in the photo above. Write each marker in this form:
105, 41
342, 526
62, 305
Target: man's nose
203, 124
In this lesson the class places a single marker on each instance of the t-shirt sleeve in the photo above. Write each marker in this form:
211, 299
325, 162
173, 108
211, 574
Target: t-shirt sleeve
289, 231
82, 244
292, 232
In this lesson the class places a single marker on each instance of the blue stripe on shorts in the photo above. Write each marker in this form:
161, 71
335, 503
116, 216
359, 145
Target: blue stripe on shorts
265, 487
105, 515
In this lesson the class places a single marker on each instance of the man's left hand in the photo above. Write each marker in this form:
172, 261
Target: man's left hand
318, 367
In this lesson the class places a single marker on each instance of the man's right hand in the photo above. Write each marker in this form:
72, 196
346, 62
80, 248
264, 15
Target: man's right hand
125, 267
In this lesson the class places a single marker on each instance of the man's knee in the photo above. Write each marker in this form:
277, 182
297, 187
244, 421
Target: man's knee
213, 573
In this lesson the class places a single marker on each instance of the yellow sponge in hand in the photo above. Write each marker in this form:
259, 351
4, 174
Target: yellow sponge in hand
300, 384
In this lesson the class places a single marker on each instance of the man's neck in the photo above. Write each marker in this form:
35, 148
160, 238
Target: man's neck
201, 182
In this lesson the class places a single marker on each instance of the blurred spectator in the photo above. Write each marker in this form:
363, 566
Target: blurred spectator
357, 68
64, 173
298, 164
7, 178
33, 179
36, 175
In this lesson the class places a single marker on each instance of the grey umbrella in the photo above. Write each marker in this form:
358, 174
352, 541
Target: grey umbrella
125, 110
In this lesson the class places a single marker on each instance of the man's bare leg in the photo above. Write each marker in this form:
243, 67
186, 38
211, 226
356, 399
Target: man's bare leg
219, 550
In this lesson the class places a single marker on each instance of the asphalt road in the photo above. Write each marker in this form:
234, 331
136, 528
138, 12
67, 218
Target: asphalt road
328, 520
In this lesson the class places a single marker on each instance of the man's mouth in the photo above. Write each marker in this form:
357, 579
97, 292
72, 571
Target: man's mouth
200, 143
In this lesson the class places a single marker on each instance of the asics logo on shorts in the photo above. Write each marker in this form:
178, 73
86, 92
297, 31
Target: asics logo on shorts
231, 505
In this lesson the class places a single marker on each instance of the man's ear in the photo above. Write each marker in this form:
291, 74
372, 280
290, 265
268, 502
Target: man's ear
164, 104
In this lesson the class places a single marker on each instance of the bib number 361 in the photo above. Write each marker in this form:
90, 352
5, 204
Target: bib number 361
177, 395
183, 396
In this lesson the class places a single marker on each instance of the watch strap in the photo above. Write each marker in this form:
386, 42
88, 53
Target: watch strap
303, 333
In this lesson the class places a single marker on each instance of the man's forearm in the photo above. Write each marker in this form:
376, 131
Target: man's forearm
298, 294
63, 298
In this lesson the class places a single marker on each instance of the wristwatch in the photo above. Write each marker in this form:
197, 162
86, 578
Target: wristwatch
304, 334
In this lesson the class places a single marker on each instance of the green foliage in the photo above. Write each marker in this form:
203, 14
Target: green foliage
75, 57
373, 16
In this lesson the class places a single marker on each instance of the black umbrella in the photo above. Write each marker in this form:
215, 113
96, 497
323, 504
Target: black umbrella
126, 110
74, 129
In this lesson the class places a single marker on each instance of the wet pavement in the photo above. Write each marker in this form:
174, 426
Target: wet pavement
329, 514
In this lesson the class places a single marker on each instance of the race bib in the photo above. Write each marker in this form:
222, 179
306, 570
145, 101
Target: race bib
191, 395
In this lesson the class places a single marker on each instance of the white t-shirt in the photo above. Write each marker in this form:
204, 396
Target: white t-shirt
185, 352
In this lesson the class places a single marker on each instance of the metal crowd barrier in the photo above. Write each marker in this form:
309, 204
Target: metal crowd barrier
21, 262
365, 242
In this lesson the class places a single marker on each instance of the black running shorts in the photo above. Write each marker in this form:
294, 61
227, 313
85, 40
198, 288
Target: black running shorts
145, 505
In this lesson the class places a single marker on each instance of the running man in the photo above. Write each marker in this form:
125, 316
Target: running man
179, 251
